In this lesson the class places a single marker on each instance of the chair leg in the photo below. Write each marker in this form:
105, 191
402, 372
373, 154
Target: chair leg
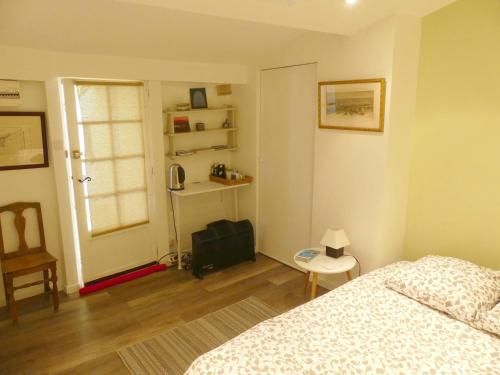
5, 290
55, 292
10, 297
46, 281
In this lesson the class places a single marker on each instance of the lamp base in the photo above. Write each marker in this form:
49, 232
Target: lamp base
334, 253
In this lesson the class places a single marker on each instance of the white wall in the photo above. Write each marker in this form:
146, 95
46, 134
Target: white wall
18, 63
351, 168
32, 64
33, 185
402, 115
357, 185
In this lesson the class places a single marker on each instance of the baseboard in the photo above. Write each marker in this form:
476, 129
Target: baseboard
31, 292
71, 288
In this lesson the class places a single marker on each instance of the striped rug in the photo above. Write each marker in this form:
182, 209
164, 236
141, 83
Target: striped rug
174, 350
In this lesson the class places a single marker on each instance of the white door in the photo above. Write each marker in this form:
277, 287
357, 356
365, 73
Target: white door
288, 120
109, 160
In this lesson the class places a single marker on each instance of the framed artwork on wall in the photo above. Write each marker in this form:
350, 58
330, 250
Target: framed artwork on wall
352, 105
198, 98
23, 140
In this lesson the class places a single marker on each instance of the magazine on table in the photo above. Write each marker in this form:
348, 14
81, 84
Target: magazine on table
307, 255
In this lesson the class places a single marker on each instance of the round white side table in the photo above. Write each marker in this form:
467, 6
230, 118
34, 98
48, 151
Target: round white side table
325, 265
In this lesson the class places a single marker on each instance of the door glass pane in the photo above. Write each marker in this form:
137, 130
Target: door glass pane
92, 103
104, 213
127, 139
133, 207
131, 172
125, 102
102, 174
97, 141
116, 196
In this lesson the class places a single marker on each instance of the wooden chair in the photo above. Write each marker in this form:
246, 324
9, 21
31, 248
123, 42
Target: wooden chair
26, 260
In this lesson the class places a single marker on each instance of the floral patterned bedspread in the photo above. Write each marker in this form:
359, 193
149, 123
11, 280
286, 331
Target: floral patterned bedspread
360, 328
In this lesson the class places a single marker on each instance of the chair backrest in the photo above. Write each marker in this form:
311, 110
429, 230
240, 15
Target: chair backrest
20, 224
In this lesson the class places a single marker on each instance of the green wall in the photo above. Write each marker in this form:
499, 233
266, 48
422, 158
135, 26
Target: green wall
454, 194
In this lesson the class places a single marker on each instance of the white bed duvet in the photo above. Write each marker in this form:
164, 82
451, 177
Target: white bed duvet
359, 328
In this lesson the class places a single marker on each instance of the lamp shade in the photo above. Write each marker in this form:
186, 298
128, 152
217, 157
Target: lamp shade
335, 238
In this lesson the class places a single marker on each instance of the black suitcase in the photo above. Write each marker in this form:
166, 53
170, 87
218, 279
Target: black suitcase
223, 244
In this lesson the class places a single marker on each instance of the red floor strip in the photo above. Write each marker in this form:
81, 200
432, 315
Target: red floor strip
122, 279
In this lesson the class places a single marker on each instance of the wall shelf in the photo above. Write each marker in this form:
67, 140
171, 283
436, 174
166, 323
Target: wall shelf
216, 130
201, 150
213, 121
174, 112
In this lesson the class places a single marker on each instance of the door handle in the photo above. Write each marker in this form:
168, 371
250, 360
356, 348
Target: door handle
89, 179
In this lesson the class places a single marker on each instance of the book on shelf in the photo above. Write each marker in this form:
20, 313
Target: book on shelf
307, 255
181, 124
184, 152
219, 147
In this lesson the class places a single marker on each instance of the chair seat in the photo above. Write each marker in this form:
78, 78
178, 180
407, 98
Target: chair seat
25, 262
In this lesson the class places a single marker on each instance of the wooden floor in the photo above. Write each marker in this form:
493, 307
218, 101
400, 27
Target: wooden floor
83, 337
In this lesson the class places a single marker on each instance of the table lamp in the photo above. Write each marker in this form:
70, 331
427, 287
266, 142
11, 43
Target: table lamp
334, 240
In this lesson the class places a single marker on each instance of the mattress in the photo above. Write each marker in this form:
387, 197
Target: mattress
359, 328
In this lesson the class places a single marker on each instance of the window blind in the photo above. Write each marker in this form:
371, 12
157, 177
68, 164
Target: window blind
110, 128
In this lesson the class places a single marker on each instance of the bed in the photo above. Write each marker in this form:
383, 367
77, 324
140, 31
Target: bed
361, 327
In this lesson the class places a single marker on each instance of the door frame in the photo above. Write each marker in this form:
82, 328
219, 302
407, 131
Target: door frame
78, 216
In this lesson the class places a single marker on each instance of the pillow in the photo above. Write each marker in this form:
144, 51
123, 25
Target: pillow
489, 320
454, 286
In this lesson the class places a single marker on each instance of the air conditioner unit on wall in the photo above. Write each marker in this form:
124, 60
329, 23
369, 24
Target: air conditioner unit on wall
10, 93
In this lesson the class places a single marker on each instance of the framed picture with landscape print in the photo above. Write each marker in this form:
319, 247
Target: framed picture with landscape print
23, 140
352, 105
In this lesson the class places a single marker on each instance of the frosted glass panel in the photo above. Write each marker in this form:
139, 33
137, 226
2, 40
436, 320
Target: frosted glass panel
131, 174
127, 138
133, 207
97, 141
103, 213
117, 195
93, 103
125, 102
102, 175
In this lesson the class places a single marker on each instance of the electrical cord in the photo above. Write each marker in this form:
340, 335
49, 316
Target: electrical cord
173, 254
173, 214
175, 229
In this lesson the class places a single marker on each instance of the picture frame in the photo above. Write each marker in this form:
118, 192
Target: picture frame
357, 105
23, 140
198, 98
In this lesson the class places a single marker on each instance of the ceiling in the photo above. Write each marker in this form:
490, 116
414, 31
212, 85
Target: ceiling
122, 29
237, 31
331, 16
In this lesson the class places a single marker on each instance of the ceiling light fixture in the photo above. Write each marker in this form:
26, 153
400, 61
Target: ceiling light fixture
351, 2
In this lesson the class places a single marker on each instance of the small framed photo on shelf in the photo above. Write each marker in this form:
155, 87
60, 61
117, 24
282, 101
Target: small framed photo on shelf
198, 98
23, 140
357, 105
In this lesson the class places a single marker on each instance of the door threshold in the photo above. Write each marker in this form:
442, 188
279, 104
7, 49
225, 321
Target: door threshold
106, 278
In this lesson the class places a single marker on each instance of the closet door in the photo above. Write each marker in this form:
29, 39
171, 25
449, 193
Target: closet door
288, 118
